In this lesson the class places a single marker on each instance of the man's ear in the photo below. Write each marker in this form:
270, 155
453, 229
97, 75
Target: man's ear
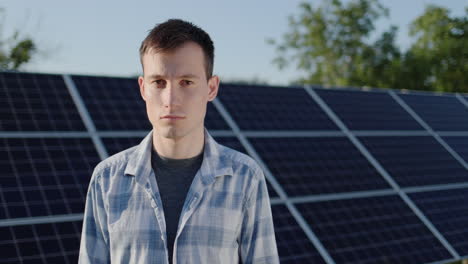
213, 85
141, 83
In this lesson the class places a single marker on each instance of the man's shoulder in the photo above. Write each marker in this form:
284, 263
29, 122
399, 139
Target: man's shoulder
115, 162
239, 161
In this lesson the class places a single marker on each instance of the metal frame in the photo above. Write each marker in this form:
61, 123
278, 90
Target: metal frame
41, 220
462, 99
85, 116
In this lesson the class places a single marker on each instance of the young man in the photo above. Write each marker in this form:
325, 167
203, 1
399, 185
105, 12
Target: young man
178, 197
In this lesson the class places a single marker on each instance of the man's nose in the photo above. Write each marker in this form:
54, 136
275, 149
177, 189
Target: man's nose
171, 95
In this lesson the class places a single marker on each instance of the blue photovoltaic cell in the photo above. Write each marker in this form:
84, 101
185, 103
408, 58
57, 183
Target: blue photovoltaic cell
317, 165
416, 160
231, 142
445, 113
271, 192
448, 211
116, 104
293, 244
36, 102
459, 144
273, 108
213, 120
379, 229
44, 176
113, 103
361, 110
116, 144
41, 243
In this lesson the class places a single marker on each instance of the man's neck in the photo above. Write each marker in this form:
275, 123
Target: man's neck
181, 148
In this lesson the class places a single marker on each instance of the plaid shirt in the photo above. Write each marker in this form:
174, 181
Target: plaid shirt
226, 217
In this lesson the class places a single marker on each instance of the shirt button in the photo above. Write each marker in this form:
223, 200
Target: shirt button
153, 203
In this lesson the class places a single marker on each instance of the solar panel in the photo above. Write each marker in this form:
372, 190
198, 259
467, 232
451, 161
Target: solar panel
379, 229
448, 211
293, 244
442, 113
41, 243
36, 102
368, 110
416, 160
231, 142
459, 144
306, 166
117, 144
213, 120
113, 103
45, 176
273, 108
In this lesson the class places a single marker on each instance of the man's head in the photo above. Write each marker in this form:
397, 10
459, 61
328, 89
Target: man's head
177, 59
173, 33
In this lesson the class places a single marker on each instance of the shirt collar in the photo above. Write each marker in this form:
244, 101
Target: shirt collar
215, 161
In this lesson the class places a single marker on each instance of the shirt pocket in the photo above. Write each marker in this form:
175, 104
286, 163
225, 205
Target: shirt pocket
131, 212
217, 219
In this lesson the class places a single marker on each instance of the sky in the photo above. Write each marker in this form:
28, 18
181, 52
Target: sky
103, 37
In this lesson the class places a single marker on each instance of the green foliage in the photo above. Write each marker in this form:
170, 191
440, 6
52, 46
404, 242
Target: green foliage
331, 44
15, 50
441, 48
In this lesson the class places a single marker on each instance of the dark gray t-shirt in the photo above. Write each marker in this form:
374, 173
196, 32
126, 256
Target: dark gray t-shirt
174, 177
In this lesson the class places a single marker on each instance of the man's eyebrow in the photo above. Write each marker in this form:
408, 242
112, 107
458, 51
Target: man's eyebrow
155, 76
184, 76
189, 76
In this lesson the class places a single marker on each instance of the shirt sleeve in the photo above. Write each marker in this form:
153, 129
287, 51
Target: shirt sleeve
94, 246
257, 237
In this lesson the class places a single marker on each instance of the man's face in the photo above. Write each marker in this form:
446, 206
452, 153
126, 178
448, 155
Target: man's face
175, 84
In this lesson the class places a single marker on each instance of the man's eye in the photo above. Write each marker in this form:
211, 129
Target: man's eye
187, 82
159, 83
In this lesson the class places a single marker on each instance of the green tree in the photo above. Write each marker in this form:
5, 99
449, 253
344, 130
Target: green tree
330, 43
441, 50
14, 50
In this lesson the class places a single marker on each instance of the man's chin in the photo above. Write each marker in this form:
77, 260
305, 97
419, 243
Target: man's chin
170, 132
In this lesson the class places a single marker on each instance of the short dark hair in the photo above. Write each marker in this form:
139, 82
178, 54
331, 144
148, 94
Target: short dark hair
173, 33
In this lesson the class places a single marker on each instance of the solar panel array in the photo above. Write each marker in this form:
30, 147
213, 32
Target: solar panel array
354, 176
